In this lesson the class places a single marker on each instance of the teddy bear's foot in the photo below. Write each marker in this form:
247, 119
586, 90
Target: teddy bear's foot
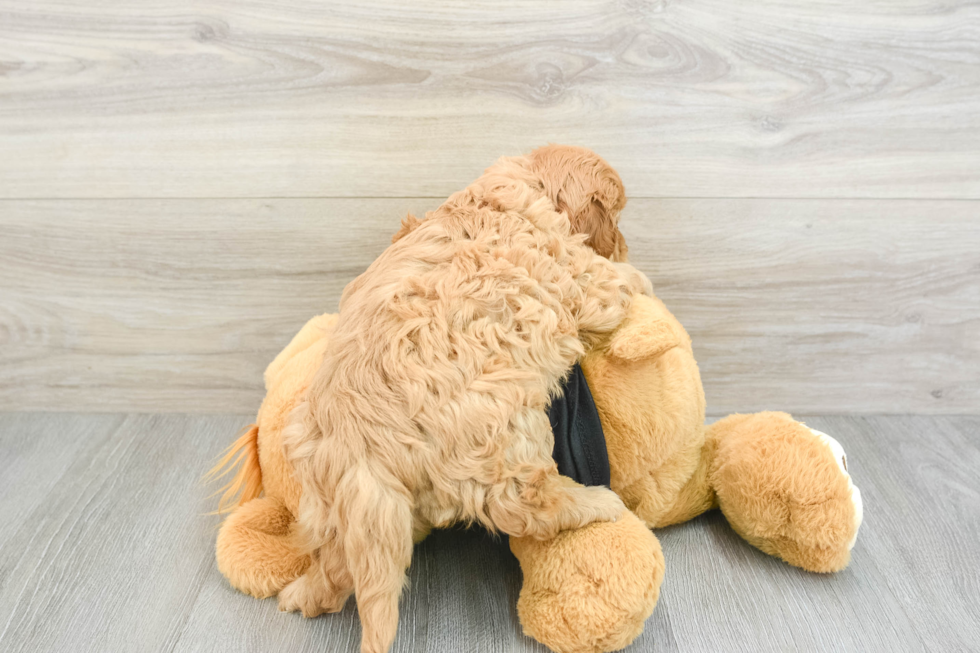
257, 550
786, 489
841, 459
312, 595
589, 590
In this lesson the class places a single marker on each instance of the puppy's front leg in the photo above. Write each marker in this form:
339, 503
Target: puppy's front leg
541, 503
637, 281
533, 499
607, 293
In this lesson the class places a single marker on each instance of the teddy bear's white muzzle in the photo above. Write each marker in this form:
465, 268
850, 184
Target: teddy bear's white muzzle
841, 458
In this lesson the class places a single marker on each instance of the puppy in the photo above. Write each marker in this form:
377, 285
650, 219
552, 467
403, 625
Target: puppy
430, 405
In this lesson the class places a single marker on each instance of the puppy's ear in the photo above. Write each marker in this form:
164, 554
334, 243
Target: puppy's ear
588, 190
409, 222
603, 232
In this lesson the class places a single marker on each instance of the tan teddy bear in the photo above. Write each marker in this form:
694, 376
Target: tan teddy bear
782, 486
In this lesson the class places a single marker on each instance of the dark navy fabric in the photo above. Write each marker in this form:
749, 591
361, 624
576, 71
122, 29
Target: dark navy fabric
580, 446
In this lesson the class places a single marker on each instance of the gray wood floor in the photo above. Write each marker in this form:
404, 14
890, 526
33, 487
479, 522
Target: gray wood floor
105, 546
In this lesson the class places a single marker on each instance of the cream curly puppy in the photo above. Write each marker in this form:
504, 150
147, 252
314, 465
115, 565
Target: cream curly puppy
430, 407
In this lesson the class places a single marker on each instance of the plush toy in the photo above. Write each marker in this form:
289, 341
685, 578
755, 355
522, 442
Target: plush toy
782, 486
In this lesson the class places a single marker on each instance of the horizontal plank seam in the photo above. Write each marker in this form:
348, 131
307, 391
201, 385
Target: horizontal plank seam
435, 197
250, 415
804, 415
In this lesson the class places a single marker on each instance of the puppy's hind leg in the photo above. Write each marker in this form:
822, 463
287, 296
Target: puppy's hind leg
536, 500
378, 543
326, 585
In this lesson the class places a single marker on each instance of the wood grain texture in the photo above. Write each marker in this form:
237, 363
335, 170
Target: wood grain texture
111, 554
822, 306
700, 98
812, 306
921, 519
109, 550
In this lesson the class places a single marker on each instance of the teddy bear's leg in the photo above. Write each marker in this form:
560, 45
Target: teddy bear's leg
257, 550
785, 488
695, 497
589, 590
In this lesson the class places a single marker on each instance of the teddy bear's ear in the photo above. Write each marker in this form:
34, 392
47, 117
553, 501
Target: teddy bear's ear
648, 331
315, 330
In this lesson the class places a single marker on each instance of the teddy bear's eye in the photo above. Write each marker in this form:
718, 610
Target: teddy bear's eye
843, 459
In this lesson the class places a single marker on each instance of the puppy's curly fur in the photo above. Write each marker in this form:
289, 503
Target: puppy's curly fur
430, 405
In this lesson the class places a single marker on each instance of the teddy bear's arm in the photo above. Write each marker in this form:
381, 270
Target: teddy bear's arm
649, 330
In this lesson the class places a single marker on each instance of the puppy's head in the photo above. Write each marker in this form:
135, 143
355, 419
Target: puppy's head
587, 189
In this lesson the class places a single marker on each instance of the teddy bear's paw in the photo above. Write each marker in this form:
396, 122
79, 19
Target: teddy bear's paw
841, 459
590, 589
311, 597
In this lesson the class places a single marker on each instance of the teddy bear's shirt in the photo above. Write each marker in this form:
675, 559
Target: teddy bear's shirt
580, 446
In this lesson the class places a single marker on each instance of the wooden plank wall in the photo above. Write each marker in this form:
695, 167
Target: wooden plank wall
183, 183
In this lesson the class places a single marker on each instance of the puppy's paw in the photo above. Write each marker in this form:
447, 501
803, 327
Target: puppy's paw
296, 597
638, 282
606, 504
310, 597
